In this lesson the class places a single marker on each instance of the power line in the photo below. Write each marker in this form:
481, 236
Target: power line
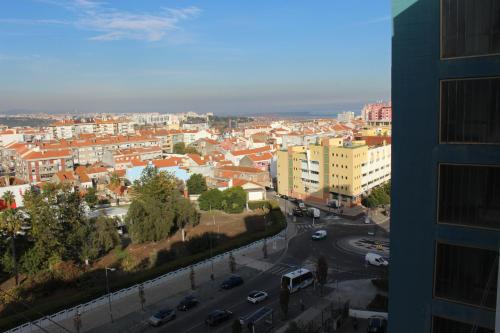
41, 314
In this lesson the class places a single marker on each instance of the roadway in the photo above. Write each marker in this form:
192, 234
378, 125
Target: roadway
301, 252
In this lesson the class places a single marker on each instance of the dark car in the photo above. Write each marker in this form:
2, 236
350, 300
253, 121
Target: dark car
294, 200
298, 212
187, 303
162, 317
216, 317
377, 324
284, 197
231, 282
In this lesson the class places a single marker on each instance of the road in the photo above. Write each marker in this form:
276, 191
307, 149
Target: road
302, 252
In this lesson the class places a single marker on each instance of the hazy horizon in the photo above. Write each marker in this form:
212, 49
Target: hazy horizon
57, 56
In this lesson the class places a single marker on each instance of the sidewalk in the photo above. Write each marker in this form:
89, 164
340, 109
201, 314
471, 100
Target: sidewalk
176, 286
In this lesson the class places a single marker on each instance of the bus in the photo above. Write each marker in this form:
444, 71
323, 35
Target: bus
298, 279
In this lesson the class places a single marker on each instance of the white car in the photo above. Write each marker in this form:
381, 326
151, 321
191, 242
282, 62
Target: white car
257, 296
376, 260
320, 234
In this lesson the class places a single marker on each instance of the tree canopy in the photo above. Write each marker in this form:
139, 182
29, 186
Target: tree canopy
196, 184
157, 207
232, 200
380, 195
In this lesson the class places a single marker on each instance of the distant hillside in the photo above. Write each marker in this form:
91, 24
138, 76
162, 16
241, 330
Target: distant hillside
25, 121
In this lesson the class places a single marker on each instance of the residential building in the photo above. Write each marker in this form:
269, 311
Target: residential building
243, 173
334, 169
445, 218
346, 116
37, 165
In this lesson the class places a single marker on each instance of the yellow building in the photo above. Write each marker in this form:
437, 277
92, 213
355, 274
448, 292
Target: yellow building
332, 170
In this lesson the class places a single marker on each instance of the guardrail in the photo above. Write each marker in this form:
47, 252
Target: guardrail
82, 308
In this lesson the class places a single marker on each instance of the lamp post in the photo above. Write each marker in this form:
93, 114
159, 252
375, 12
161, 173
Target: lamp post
106, 269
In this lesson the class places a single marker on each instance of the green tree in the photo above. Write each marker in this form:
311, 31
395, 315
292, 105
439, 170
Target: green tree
284, 299
211, 199
10, 224
234, 200
180, 148
157, 207
196, 184
114, 179
8, 198
191, 150
322, 272
91, 197
100, 236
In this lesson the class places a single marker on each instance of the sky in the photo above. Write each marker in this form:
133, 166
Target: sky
221, 56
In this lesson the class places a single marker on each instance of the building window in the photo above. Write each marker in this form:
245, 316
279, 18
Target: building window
444, 325
470, 28
470, 111
466, 275
469, 195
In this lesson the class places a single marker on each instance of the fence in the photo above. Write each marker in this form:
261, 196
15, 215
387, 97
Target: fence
82, 308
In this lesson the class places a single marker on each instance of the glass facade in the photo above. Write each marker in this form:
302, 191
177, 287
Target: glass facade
470, 111
470, 28
469, 195
466, 275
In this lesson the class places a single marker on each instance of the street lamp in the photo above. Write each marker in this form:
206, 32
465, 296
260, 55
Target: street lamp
106, 269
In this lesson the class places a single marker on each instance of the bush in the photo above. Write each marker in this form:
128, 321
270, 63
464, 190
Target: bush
259, 204
211, 199
234, 200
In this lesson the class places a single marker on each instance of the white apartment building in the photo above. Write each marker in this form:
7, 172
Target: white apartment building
377, 168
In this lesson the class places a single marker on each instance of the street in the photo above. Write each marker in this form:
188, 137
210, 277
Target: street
344, 264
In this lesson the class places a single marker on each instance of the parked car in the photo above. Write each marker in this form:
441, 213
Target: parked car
376, 259
313, 212
162, 317
187, 303
377, 324
231, 282
294, 200
320, 234
301, 204
216, 317
298, 212
257, 296
284, 197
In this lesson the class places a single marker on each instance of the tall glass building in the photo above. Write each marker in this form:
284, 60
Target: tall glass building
445, 230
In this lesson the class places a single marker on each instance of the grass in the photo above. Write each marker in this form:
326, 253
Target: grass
69, 300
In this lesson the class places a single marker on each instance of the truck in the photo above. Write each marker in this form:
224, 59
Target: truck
313, 212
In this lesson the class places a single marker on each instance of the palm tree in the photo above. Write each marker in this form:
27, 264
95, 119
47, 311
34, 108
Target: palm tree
9, 199
10, 223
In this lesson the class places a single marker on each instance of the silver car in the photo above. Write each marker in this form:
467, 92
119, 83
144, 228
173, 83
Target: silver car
256, 296
162, 317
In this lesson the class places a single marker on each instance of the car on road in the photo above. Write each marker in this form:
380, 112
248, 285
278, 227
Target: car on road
376, 259
187, 303
294, 200
313, 212
283, 196
298, 212
216, 317
318, 235
257, 296
301, 204
162, 317
377, 324
231, 282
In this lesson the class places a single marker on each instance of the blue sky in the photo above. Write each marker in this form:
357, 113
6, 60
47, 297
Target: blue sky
222, 56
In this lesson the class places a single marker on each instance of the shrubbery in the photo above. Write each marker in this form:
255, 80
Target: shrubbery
232, 200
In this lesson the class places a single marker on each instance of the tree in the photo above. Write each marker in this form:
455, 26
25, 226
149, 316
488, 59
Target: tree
99, 237
234, 200
284, 299
232, 263
114, 179
11, 223
236, 327
322, 272
192, 278
191, 150
196, 184
91, 197
186, 215
157, 207
211, 199
8, 198
180, 148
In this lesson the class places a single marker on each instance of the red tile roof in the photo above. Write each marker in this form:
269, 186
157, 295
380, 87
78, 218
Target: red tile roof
251, 151
240, 169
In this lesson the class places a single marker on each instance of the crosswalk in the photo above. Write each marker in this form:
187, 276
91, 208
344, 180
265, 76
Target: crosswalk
281, 269
303, 227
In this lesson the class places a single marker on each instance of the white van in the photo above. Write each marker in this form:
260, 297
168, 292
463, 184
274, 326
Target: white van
376, 259
313, 212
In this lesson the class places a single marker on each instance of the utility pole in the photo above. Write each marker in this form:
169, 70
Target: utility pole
106, 269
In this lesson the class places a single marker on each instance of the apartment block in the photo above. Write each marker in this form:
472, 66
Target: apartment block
445, 219
334, 169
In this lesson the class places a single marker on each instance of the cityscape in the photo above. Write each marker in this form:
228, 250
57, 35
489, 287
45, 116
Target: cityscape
221, 191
